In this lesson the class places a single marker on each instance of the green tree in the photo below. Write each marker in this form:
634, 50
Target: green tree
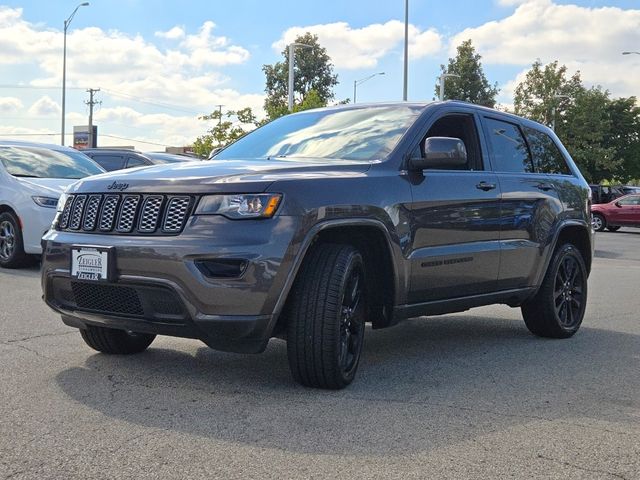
601, 134
546, 89
472, 84
313, 74
224, 131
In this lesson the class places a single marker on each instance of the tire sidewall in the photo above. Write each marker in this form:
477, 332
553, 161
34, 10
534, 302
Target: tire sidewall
568, 250
355, 262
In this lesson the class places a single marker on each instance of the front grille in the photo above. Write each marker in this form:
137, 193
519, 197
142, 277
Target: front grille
126, 214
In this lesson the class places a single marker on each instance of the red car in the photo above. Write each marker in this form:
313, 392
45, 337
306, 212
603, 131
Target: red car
621, 212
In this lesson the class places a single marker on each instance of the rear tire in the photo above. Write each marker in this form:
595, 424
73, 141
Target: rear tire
326, 317
11, 244
558, 308
118, 342
598, 222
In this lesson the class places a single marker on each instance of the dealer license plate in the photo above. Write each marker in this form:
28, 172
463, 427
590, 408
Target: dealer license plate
91, 263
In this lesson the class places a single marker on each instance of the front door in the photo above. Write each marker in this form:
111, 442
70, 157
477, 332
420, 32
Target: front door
455, 221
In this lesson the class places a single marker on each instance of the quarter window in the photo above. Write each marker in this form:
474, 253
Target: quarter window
510, 152
547, 158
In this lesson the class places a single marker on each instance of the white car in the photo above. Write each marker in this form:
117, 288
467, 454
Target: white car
32, 178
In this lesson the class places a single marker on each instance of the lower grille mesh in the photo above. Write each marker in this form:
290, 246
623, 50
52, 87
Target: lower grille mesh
107, 298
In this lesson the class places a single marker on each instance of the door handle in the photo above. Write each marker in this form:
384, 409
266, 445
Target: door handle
485, 186
545, 187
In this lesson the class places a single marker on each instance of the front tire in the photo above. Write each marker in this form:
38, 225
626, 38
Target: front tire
326, 317
598, 222
12, 253
117, 342
558, 308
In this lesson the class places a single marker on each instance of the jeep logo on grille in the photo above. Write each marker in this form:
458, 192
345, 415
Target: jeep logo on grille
118, 186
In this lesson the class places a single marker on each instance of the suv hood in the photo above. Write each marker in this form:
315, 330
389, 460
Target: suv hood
233, 176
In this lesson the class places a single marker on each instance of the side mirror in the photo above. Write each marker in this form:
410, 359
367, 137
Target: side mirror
214, 152
442, 153
617, 204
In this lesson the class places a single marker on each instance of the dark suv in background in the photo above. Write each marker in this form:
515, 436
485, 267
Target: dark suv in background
323, 220
119, 158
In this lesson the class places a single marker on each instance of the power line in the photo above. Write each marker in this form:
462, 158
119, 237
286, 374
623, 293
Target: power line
168, 106
34, 87
101, 135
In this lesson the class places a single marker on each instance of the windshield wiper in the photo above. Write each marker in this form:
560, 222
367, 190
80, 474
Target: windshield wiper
25, 175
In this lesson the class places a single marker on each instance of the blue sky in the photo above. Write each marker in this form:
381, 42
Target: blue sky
161, 63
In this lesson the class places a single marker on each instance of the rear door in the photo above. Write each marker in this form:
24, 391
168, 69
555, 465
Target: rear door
455, 219
529, 206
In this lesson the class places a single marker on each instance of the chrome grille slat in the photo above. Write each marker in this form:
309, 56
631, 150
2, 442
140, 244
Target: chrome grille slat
126, 213
77, 211
66, 213
108, 213
150, 213
176, 214
91, 212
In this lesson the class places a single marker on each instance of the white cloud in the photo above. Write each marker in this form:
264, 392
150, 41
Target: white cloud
127, 68
172, 34
583, 38
45, 107
10, 104
355, 48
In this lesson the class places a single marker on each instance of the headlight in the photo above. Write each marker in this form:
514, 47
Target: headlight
262, 205
47, 202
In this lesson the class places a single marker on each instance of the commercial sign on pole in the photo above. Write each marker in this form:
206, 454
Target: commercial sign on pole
81, 137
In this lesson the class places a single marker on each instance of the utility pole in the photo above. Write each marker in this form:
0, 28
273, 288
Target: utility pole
292, 59
406, 49
219, 123
91, 103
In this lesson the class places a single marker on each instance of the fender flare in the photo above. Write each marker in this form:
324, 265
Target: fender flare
308, 241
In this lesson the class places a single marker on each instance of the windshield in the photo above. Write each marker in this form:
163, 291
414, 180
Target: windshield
37, 162
361, 134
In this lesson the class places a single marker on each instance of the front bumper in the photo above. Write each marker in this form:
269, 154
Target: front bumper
158, 289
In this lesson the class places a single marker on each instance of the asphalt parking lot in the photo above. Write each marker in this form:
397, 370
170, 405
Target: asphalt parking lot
471, 395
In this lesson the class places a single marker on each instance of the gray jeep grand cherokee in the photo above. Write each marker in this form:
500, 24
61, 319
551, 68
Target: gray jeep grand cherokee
323, 220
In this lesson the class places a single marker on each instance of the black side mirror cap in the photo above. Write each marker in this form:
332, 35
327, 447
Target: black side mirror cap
442, 153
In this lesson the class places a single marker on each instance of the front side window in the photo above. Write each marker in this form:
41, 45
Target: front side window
510, 152
356, 134
633, 200
463, 127
136, 162
39, 162
547, 157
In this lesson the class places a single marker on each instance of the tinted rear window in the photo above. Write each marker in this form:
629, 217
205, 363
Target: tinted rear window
547, 158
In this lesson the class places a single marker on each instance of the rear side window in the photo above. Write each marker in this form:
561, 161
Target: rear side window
136, 162
630, 201
510, 152
110, 162
547, 158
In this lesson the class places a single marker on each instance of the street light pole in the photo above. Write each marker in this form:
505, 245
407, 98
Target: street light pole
67, 22
406, 49
292, 57
361, 81
443, 77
